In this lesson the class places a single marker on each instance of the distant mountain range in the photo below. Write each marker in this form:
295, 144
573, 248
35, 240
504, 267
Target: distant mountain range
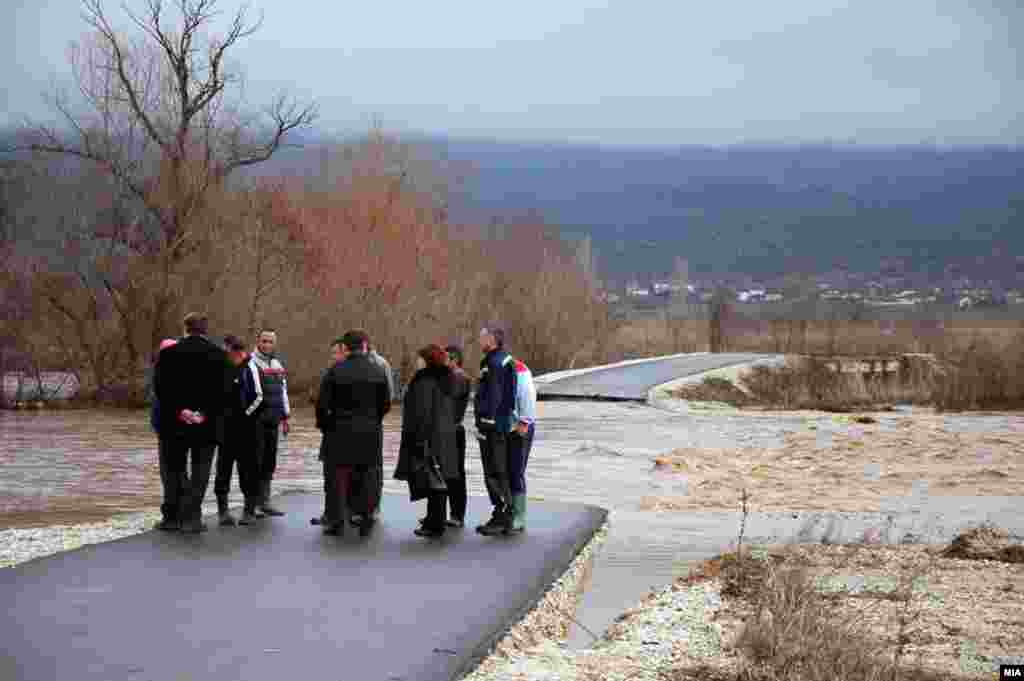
758, 210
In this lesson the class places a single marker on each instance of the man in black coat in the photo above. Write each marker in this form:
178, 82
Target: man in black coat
330, 493
192, 382
354, 398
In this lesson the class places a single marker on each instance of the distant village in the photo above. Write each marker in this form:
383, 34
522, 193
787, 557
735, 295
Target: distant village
876, 291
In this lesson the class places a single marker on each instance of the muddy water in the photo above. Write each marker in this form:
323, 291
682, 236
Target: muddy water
74, 466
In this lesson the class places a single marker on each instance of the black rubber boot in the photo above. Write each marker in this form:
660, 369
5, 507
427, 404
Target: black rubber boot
269, 509
224, 513
495, 523
500, 524
249, 514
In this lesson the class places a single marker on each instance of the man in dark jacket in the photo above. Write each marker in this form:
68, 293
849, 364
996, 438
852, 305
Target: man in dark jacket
330, 494
375, 477
243, 437
457, 496
350, 411
494, 403
191, 382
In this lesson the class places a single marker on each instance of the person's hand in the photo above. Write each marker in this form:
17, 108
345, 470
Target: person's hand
523, 428
285, 427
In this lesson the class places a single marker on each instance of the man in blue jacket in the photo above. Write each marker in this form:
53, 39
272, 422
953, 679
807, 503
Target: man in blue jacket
243, 437
494, 403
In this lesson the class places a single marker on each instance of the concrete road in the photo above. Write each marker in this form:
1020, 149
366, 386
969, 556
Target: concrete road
633, 381
281, 601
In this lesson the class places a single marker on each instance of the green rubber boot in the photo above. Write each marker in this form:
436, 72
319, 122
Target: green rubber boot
518, 514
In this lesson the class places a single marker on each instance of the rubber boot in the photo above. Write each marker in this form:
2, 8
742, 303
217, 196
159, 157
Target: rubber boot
518, 514
500, 523
268, 509
224, 514
249, 514
495, 522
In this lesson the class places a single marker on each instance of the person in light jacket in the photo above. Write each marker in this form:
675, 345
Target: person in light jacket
274, 410
520, 442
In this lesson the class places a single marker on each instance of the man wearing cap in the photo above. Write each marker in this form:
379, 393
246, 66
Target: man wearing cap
352, 403
494, 404
372, 477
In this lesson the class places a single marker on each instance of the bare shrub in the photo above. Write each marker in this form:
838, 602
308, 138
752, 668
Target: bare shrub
982, 375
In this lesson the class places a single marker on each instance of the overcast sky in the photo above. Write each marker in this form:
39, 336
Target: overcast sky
617, 72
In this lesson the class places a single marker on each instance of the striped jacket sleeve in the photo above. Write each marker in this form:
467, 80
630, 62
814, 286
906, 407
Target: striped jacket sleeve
258, 386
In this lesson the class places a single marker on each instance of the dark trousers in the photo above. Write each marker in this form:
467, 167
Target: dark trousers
330, 492
364, 502
243, 445
269, 463
519, 447
457, 496
494, 457
436, 506
368, 477
183, 494
365, 495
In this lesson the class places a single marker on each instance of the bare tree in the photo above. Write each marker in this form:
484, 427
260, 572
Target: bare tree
164, 120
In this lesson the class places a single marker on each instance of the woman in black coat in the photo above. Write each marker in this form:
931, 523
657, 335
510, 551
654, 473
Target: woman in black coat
428, 430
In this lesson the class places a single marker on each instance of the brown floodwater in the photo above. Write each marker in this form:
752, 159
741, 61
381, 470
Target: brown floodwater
82, 465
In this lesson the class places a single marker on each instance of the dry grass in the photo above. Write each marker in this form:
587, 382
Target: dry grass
808, 383
916, 614
980, 376
983, 375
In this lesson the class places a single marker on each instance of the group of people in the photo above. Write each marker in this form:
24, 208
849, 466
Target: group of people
211, 398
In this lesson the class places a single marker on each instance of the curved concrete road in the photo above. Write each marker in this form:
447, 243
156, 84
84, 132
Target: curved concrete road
279, 600
633, 380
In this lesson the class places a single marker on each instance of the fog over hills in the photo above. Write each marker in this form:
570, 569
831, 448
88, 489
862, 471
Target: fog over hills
761, 210
757, 210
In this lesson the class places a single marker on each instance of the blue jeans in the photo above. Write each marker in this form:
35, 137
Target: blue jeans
519, 447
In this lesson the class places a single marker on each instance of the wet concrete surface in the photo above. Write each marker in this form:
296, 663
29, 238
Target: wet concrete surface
634, 381
279, 600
